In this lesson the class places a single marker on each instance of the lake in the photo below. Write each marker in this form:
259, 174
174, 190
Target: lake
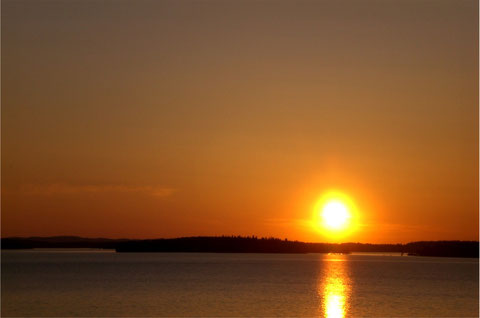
104, 283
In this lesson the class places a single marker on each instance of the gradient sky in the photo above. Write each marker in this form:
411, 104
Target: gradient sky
146, 119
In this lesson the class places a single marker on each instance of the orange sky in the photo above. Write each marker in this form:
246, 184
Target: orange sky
146, 119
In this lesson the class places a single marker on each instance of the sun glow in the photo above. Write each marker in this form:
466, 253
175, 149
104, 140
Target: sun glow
335, 215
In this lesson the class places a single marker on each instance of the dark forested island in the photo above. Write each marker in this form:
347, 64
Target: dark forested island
241, 244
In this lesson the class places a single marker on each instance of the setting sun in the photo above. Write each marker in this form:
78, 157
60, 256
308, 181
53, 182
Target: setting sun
335, 215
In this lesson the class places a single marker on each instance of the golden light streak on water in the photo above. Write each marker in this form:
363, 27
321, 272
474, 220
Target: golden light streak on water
334, 287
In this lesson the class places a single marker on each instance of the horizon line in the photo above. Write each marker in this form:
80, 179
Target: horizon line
220, 236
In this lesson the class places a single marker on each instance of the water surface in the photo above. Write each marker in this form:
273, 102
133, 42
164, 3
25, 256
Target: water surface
92, 283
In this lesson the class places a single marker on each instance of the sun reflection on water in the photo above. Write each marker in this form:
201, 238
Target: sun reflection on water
334, 287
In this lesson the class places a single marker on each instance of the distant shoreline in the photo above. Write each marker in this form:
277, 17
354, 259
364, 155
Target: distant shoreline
238, 244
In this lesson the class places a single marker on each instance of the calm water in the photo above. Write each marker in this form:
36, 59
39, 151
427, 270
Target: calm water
89, 283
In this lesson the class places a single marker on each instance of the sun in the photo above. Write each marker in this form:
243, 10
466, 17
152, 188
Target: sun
335, 215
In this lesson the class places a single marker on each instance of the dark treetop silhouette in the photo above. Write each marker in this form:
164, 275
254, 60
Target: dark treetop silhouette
239, 244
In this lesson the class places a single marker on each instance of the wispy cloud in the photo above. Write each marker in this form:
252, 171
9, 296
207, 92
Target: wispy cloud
395, 227
62, 188
285, 222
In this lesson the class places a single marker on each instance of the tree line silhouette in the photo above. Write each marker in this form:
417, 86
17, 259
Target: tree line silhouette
244, 244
